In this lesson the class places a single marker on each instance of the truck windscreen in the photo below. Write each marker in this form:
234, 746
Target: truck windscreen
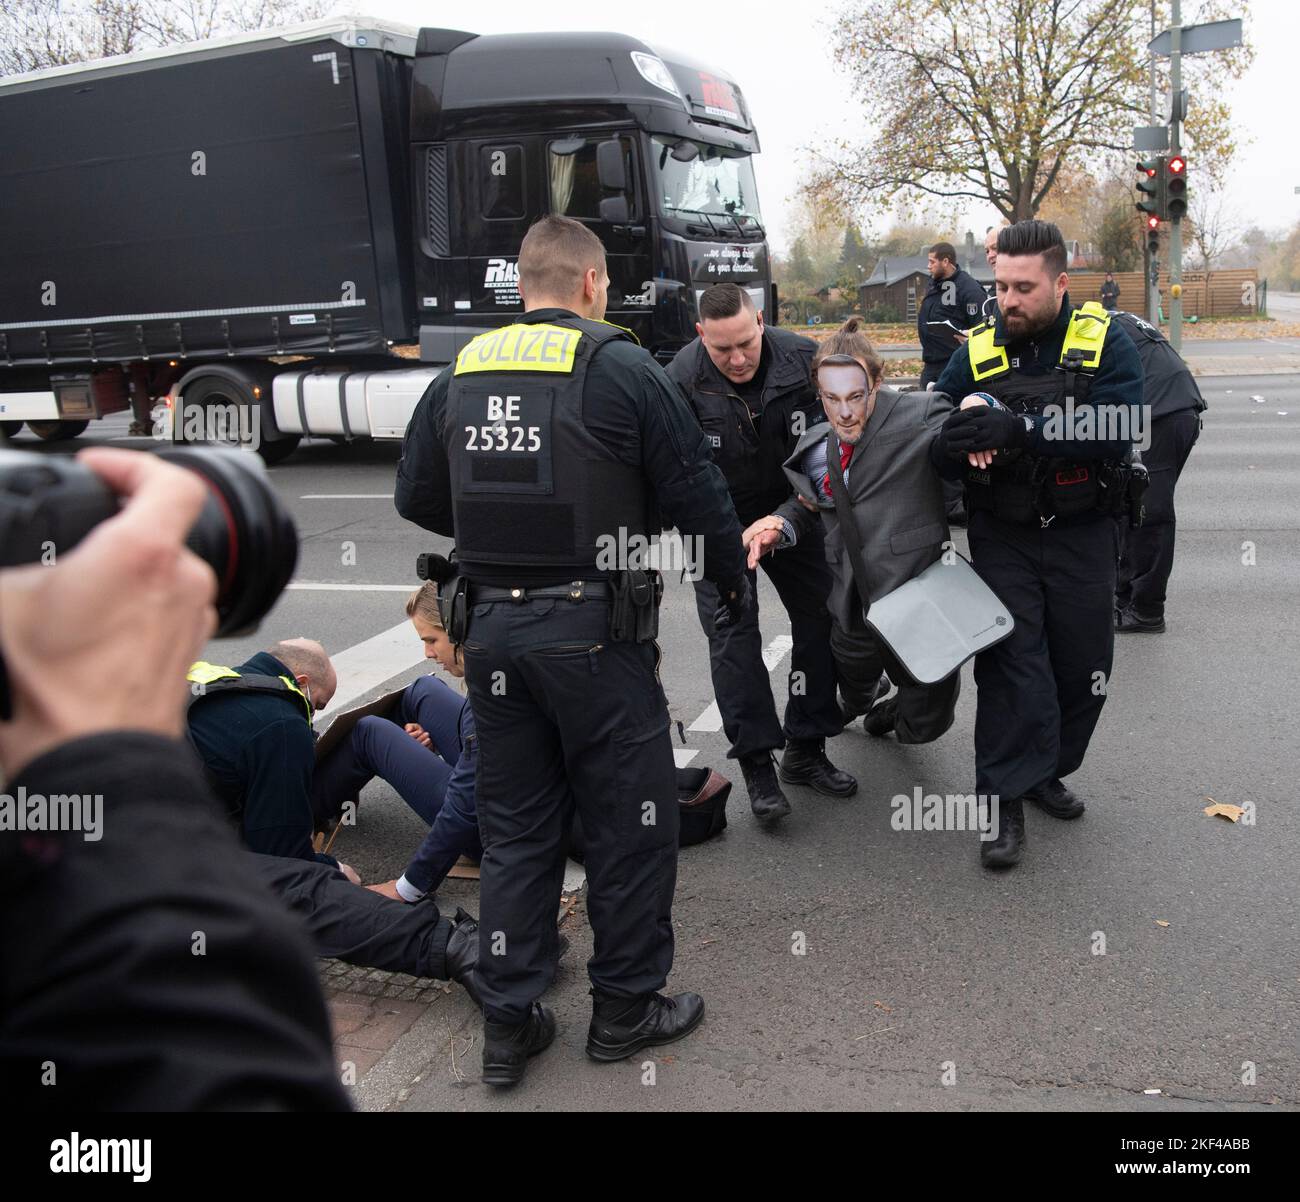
713, 183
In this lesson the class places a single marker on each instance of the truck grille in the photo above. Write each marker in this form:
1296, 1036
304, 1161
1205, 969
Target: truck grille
436, 207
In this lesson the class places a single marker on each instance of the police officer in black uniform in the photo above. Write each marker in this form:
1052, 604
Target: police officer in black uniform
954, 297
548, 442
751, 390
1067, 391
955, 301
1173, 406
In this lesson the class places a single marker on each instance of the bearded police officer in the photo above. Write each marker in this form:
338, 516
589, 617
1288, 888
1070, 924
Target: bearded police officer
1043, 447
1172, 405
750, 388
550, 442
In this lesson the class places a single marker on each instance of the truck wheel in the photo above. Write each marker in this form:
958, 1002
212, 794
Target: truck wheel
225, 406
279, 450
49, 431
9, 429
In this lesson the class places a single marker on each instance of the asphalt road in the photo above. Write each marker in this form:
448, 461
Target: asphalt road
919, 966
1284, 306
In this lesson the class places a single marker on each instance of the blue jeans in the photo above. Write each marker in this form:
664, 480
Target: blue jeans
380, 747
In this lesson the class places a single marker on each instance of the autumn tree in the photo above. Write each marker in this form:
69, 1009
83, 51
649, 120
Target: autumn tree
992, 100
1211, 230
855, 257
1119, 242
52, 33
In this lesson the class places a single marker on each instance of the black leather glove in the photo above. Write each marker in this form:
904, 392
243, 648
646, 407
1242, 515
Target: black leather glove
943, 439
983, 428
735, 600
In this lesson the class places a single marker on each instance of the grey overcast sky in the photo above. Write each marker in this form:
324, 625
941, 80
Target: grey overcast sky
798, 98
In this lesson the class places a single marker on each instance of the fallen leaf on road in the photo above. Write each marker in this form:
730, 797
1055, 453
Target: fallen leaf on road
1220, 810
1160, 922
882, 1006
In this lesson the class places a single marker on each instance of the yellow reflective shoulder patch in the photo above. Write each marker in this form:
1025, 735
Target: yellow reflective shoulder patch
544, 348
985, 357
1086, 333
202, 672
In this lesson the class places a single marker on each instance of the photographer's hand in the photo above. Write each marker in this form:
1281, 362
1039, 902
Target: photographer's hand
101, 639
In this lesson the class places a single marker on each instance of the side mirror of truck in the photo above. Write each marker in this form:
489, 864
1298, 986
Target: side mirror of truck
614, 210
611, 170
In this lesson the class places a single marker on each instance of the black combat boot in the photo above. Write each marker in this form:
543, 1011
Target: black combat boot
765, 796
805, 763
462, 953
507, 1046
1055, 798
623, 1025
1006, 849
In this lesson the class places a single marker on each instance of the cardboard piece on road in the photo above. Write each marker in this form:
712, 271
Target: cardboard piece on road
463, 869
336, 731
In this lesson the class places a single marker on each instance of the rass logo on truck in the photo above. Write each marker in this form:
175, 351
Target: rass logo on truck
502, 280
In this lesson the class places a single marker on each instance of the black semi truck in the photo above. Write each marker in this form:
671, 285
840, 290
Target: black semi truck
289, 233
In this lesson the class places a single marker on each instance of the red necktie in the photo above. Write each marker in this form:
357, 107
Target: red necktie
846, 453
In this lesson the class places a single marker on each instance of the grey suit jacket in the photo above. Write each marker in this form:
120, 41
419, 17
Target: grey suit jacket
896, 495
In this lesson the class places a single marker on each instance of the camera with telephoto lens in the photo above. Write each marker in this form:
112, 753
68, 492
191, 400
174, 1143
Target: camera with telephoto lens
243, 533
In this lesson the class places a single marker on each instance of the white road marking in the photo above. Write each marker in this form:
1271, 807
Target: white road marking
346, 496
361, 668
322, 586
773, 654
682, 756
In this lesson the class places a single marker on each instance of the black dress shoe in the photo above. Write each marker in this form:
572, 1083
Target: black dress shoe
1006, 849
462, 953
621, 1026
881, 688
805, 763
882, 719
1128, 622
507, 1046
765, 796
1053, 797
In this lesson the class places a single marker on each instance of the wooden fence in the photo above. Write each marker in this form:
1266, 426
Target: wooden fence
1228, 293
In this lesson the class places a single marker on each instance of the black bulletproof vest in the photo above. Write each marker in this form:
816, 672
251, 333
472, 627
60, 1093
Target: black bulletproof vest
530, 485
1025, 488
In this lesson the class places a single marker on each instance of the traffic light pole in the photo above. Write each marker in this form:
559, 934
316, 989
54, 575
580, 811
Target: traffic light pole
1176, 222
1150, 265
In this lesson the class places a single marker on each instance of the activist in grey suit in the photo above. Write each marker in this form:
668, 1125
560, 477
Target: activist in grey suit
883, 437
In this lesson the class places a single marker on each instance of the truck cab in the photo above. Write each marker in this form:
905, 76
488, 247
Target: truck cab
650, 149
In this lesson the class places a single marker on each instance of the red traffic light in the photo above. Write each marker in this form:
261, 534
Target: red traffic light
1177, 165
1153, 222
